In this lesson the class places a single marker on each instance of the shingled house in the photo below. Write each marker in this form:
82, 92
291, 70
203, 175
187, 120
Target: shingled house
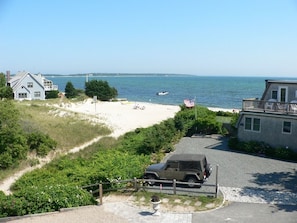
273, 118
27, 86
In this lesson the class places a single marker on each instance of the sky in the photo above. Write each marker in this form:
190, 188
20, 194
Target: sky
200, 37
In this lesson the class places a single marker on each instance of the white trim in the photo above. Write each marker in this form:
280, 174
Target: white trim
287, 133
279, 93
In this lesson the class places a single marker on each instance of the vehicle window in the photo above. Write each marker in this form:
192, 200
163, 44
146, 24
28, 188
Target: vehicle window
189, 165
173, 165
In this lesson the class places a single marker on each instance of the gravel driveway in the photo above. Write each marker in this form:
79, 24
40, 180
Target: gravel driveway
243, 177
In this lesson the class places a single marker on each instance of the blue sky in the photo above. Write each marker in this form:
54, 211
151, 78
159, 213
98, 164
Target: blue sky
213, 37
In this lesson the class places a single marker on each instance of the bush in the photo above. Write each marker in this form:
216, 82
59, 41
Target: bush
44, 199
261, 148
12, 206
41, 143
51, 94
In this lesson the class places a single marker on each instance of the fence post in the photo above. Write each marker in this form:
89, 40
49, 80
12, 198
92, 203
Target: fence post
217, 176
174, 186
100, 194
135, 183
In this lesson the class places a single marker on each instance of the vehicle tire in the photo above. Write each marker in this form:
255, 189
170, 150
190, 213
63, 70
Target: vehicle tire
151, 177
191, 181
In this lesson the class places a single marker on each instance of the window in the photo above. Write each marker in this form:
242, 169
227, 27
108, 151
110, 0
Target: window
287, 127
172, 165
252, 124
37, 94
30, 84
274, 95
256, 124
189, 165
248, 124
22, 95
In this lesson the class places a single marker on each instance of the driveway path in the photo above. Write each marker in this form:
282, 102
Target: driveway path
245, 178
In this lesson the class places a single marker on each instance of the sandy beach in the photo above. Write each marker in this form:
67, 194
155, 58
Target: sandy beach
123, 116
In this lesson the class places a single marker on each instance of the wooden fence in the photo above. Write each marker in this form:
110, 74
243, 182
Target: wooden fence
164, 186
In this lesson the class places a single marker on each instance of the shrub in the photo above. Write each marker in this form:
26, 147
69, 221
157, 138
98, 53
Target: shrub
44, 199
51, 94
41, 143
261, 148
12, 206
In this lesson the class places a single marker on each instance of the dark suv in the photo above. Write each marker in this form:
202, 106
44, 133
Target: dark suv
192, 168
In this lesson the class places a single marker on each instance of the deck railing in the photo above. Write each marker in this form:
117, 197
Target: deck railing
270, 106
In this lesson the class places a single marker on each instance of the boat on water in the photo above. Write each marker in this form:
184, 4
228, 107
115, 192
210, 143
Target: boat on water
162, 93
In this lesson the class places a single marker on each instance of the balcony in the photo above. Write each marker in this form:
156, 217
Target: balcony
270, 106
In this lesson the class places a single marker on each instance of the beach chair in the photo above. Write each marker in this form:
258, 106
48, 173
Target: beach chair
270, 104
293, 106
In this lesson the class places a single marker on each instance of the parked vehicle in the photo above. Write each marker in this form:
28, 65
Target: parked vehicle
192, 168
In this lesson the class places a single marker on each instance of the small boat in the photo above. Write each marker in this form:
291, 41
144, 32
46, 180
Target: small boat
162, 93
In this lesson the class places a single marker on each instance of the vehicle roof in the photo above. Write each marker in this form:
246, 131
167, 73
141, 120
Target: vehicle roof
186, 157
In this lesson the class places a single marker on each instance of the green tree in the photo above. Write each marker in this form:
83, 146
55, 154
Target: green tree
5, 91
70, 91
2, 80
13, 142
101, 89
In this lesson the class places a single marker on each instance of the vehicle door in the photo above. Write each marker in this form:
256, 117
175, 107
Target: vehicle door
170, 171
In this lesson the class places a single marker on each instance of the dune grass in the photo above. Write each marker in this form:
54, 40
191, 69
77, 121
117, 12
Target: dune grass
67, 128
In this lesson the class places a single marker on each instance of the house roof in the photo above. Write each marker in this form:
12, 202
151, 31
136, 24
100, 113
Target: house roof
282, 81
16, 81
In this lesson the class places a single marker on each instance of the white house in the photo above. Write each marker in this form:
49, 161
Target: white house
27, 86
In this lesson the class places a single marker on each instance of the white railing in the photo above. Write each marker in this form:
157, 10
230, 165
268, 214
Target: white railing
269, 106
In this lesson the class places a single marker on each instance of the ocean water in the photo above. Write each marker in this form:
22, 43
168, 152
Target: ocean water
213, 91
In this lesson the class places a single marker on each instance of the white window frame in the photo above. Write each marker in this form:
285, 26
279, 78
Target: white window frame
280, 92
37, 94
30, 84
252, 129
23, 95
283, 127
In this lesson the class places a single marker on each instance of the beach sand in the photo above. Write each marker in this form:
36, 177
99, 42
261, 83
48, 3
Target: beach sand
122, 117
125, 116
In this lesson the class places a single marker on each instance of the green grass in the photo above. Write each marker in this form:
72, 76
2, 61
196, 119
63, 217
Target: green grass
223, 119
68, 129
